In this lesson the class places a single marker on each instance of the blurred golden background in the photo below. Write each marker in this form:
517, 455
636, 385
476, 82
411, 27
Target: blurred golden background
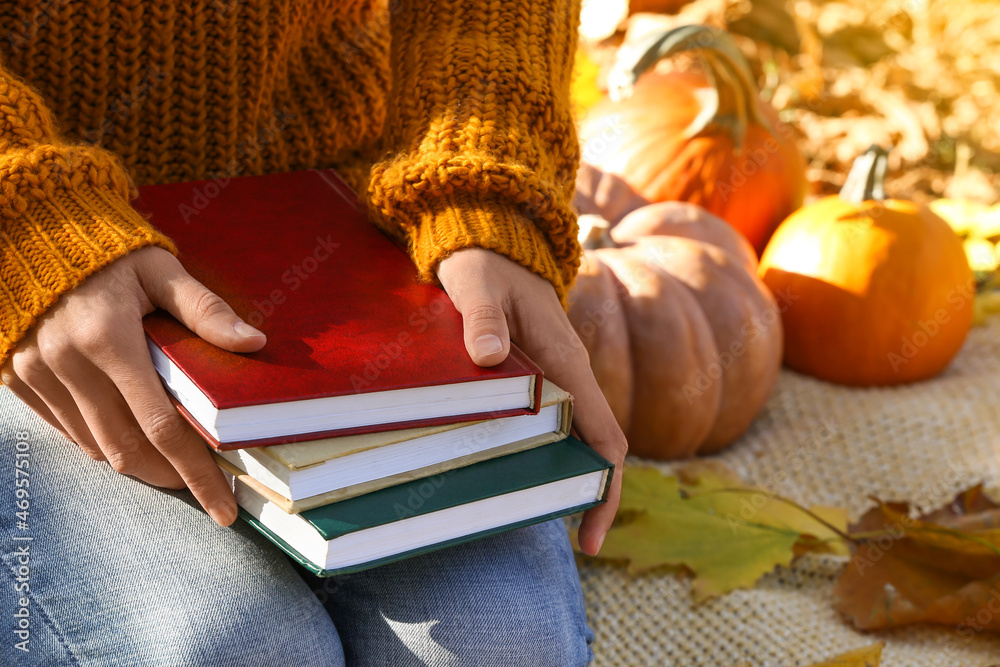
920, 76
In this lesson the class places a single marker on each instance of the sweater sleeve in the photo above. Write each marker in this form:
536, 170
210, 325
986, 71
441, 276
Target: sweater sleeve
64, 212
481, 149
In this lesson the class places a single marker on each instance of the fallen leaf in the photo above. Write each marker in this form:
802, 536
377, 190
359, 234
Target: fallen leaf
942, 567
704, 520
869, 656
709, 476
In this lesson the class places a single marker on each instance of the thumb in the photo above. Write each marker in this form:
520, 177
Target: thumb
169, 286
486, 335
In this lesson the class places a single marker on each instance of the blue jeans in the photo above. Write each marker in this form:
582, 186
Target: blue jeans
102, 569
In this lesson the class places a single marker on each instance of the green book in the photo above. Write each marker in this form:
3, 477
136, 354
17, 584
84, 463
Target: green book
422, 515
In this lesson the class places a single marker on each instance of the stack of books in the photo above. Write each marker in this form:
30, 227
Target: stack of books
362, 432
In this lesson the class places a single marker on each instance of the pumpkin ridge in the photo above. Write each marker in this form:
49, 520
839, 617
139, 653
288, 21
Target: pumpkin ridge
693, 329
685, 284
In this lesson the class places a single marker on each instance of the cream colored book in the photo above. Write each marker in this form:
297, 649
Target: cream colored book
304, 475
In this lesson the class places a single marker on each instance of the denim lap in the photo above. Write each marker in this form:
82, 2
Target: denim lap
511, 599
116, 572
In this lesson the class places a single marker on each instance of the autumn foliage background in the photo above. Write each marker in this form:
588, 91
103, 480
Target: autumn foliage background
919, 75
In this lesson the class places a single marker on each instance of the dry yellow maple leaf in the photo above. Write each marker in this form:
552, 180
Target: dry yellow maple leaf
868, 656
726, 534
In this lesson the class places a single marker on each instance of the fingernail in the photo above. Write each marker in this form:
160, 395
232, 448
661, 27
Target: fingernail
223, 514
487, 345
600, 543
245, 330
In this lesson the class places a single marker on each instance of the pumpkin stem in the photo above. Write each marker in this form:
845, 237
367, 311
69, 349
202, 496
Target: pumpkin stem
730, 102
866, 180
595, 232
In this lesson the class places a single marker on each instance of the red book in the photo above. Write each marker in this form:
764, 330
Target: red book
354, 343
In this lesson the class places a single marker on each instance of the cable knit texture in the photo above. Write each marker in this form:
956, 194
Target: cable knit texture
450, 117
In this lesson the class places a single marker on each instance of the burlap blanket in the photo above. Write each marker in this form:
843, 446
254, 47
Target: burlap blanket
821, 444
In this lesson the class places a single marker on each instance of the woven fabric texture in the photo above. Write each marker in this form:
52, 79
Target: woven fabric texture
821, 444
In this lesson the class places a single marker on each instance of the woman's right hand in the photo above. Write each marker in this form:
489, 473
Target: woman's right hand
84, 367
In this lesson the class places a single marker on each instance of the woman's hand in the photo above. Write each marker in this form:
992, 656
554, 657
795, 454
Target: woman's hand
500, 300
86, 370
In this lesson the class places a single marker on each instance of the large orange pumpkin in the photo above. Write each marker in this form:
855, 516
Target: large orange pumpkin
683, 338
879, 291
700, 136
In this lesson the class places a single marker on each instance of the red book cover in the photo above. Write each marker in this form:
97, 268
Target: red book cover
296, 257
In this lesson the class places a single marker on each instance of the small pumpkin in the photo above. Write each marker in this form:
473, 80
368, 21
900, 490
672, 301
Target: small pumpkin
683, 338
879, 290
700, 136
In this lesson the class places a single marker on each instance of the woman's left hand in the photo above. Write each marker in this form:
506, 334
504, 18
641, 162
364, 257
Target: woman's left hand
500, 300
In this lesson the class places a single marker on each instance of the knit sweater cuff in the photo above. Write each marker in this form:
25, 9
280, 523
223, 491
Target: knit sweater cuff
464, 220
54, 243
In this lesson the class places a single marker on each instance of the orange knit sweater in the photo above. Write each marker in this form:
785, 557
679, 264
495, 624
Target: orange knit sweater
451, 117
